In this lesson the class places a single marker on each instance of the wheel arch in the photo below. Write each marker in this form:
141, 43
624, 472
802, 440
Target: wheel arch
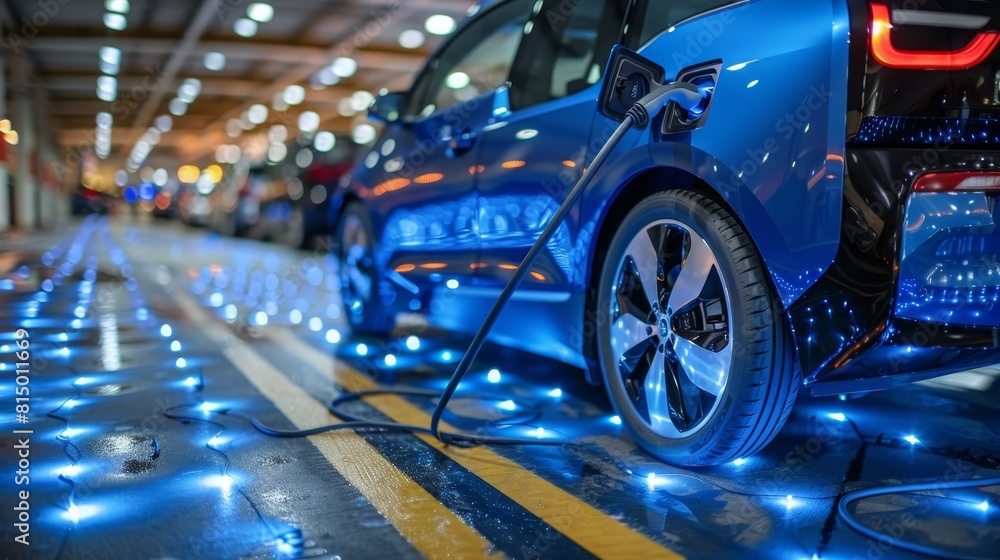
629, 193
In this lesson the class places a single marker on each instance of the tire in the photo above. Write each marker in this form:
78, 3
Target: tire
712, 325
359, 275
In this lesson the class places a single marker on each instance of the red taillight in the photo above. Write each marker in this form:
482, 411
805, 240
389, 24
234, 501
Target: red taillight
971, 55
965, 181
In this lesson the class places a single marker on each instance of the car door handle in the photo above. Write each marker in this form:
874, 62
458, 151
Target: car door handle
461, 141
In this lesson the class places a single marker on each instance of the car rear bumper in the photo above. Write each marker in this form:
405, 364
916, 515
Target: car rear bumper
915, 289
950, 260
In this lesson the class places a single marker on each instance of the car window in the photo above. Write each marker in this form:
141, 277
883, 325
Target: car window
568, 49
660, 15
475, 62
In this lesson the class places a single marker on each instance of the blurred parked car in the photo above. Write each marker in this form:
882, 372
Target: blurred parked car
86, 201
299, 215
234, 208
193, 207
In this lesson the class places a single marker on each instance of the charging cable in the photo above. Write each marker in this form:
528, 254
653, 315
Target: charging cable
686, 96
896, 542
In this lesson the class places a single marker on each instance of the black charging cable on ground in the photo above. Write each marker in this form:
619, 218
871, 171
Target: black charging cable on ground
686, 96
896, 541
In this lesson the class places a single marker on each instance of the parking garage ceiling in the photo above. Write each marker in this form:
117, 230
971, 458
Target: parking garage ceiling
234, 61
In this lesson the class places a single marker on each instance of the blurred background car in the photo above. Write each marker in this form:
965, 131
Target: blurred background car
85, 201
285, 204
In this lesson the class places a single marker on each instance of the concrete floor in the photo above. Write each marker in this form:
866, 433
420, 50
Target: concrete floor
152, 347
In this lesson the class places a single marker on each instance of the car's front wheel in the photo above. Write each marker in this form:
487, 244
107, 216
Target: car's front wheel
694, 349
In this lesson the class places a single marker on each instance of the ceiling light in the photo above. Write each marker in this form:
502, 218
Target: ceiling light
160, 177
11, 137
278, 133
111, 55
111, 58
5, 126
304, 158
294, 94
361, 100
164, 123
278, 103
245, 123
104, 120
188, 174
204, 184
260, 12
189, 90
324, 141
345, 108
364, 134
107, 85
344, 67
457, 80
120, 6
245, 27
107, 88
177, 107
115, 21
412, 39
315, 84
308, 122
440, 24
152, 136
108, 68
225, 153
257, 113
215, 61
214, 172
327, 77
234, 128
277, 152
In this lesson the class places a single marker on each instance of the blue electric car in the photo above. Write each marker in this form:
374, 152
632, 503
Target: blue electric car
827, 216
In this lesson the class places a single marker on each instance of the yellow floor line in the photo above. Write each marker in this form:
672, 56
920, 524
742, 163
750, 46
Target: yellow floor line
421, 519
582, 523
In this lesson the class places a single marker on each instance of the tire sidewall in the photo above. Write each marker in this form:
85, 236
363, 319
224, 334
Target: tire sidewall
683, 450
372, 319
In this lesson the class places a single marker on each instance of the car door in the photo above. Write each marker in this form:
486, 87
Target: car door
535, 153
532, 155
422, 170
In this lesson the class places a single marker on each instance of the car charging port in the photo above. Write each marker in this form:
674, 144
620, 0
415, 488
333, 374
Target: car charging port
704, 77
630, 78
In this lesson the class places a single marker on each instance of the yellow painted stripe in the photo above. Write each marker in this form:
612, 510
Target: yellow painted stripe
582, 523
429, 526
